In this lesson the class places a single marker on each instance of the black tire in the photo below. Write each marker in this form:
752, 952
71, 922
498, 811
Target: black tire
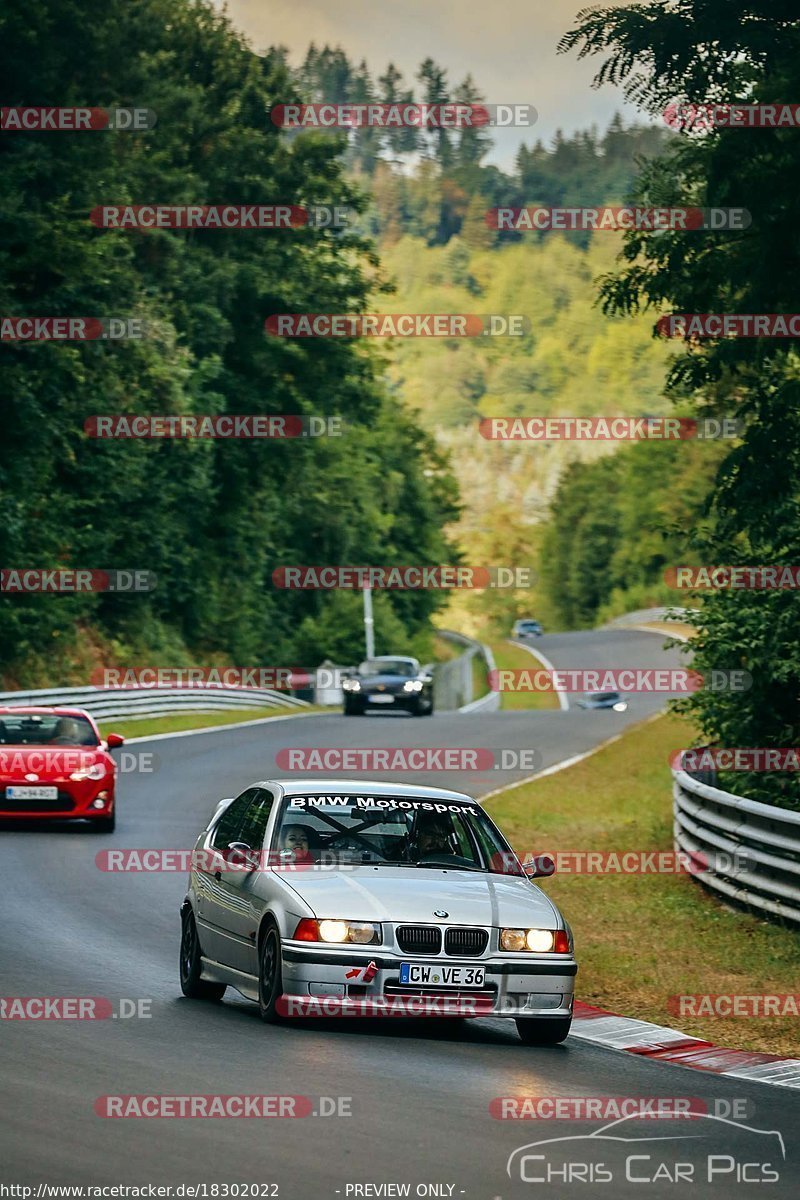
543, 1031
421, 709
352, 710
190, 966
270, 980
105, 824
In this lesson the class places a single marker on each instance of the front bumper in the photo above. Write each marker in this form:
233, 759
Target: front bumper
536, 987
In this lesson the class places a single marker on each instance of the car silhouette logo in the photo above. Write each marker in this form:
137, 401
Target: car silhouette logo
381, 687
31, 776
440, 912
615, 1132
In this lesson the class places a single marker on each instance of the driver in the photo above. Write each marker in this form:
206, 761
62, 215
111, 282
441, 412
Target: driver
433, 837
295, 839
66, 733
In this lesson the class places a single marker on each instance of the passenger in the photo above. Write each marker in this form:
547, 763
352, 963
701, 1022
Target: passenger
295, 838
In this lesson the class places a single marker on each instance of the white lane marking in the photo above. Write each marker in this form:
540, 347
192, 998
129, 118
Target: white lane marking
158, 737
548, 666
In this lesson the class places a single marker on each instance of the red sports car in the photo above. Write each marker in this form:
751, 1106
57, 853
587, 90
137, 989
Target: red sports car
55, 765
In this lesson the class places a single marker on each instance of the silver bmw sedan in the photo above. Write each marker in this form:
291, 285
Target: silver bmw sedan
351, 898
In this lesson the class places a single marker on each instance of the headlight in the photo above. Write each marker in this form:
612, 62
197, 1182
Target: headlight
333, 931
351, 685
539, 941
412, 685
513, 939
360, 933
620, 706
95, 771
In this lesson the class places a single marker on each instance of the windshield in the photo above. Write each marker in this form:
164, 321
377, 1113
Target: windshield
391, 830
388, 666
39, 729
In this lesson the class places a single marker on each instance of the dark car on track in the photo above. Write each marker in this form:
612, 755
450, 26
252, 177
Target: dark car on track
389, 682
527, 628
613, 700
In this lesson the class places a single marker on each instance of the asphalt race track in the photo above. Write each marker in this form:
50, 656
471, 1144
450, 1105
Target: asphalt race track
419, 1092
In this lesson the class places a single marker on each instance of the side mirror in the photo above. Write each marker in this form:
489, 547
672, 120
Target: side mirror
539, 867
114, 740
240, 854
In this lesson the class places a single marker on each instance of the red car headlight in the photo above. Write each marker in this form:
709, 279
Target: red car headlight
95, 771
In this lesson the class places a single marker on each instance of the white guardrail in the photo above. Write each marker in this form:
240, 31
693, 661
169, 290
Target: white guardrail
453, 681
108, 704
752, 850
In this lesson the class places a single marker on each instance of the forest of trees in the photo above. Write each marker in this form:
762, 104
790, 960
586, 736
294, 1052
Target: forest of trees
434, 184
411, 480
211, 519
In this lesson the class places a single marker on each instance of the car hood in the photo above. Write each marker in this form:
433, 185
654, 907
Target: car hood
49, 762
411, 895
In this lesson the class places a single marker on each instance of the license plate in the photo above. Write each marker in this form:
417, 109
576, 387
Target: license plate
31, 793
381, 699
434, 975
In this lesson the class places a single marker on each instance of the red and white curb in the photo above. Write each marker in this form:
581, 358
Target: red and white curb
670, 1045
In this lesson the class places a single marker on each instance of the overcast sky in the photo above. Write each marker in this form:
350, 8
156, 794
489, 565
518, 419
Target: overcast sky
509, 48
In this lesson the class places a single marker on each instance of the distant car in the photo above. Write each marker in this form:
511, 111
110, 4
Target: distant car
389, 682
55, 765
527, 629
613, 700
366, 894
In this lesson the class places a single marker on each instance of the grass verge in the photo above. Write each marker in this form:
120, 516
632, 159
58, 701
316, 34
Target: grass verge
643, 938
508, 657
181, 721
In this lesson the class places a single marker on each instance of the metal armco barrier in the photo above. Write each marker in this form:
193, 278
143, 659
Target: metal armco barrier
107, 704
764, 839
453, 686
